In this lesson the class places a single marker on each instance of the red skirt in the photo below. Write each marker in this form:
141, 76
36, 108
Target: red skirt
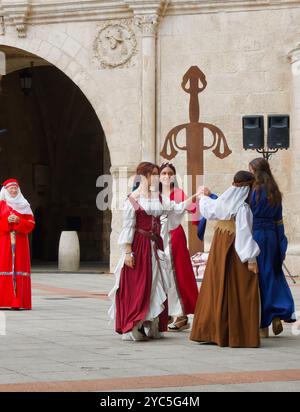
183, 270
15, 291
15, 295
134, 293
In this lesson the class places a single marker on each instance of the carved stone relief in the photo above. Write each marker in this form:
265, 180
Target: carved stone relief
115, 44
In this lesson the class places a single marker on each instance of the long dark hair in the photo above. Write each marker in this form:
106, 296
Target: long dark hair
172, 167
265, 179
143, 169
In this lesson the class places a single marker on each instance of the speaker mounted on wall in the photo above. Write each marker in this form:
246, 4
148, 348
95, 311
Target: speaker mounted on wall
278, 131
253, 132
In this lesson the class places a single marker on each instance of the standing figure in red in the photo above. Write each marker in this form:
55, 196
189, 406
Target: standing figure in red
183, 293
16, 222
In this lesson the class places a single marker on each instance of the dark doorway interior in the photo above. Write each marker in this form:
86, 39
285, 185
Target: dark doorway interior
56, 147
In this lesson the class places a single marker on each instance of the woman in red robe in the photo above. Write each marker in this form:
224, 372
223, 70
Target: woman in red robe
183, 294
16, 222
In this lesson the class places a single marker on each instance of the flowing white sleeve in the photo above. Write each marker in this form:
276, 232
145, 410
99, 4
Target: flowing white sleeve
245, 245
213, 209
174, 211
128, 229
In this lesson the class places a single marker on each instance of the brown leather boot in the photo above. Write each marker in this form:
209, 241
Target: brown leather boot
277, 326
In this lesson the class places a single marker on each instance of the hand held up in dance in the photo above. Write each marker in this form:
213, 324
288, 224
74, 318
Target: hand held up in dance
207, 191
203, 191
200, 192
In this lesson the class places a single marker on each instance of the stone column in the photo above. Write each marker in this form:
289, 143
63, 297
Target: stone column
120, 189
293, 258
147, 16
148, 25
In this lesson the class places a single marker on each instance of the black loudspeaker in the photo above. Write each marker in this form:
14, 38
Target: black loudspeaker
279, 131
253, 132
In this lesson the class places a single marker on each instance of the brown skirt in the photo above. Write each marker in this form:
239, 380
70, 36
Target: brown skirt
227, 310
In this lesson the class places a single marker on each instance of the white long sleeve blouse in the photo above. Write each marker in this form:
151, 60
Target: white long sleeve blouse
154, 207
245, 246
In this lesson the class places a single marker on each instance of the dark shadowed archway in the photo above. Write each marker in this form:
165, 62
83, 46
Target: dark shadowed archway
56, 147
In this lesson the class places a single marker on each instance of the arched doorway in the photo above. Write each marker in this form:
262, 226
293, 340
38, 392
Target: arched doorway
56, 147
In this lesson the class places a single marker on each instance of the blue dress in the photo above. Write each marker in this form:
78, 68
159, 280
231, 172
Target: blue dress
268, 232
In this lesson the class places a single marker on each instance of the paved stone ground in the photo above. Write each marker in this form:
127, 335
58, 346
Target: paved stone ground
66, 344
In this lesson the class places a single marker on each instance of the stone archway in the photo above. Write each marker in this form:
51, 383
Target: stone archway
57, 148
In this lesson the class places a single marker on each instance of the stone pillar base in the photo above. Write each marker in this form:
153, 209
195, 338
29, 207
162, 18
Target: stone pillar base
121, 187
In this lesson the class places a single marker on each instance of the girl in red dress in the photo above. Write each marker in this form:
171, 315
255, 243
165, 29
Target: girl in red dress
139, 296
16, 222
182, 296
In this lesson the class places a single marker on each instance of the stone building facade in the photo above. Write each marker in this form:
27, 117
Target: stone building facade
128, 57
